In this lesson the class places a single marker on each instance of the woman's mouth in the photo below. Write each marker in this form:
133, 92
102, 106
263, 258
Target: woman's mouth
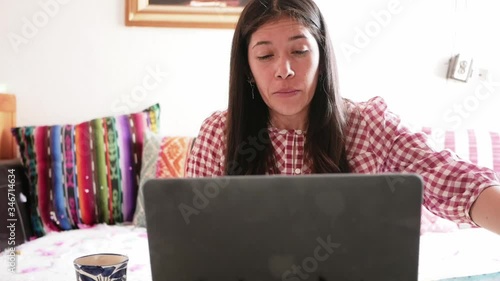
286, 92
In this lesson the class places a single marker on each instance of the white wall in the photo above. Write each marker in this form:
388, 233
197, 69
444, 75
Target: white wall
406, 59
83, 62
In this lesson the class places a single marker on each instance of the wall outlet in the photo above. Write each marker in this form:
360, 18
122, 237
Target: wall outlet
460, 68
483, 74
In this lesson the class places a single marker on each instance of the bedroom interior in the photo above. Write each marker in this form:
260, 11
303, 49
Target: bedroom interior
70, 63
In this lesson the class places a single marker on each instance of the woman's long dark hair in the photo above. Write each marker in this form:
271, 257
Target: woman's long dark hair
248, 148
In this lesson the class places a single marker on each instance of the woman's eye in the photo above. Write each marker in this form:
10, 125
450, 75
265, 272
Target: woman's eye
300, 52
264, 57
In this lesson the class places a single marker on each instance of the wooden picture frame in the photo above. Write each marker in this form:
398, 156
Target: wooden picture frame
192, 14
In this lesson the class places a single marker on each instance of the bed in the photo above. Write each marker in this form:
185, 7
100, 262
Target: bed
447, 252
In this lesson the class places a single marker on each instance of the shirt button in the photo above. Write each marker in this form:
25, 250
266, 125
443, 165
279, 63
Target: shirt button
283, 132
299, 132
297, 171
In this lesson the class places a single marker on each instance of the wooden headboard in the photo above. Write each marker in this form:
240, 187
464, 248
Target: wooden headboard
8, 147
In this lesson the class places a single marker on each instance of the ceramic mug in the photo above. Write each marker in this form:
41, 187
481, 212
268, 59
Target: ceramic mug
101, 267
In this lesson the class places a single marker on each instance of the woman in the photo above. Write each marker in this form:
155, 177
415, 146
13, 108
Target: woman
285, 116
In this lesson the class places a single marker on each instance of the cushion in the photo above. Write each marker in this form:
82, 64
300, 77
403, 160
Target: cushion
163, 157
84, 174
477, 146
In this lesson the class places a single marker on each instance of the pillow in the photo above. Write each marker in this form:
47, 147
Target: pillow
150, 155
163, 157
478, 146
84, 174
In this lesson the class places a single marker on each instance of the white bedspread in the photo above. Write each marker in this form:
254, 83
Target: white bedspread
50, 258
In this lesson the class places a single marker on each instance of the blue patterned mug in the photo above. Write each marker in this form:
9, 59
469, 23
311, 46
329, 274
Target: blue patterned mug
101, 267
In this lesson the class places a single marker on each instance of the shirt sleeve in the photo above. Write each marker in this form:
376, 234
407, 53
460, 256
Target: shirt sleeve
207, 155
451, 184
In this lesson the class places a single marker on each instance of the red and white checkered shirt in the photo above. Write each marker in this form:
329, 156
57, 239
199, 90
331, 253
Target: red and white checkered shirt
376, 142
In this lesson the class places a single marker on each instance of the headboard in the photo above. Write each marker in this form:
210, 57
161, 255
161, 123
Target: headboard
7, 121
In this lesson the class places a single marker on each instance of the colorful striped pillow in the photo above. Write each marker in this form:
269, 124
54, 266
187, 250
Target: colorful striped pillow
87, 173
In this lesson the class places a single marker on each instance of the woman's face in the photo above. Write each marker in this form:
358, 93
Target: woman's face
284, 57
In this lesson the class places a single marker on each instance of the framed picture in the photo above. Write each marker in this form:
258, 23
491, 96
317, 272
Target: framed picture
183, 13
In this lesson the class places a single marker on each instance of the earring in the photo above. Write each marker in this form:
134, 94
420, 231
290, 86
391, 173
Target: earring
251, 85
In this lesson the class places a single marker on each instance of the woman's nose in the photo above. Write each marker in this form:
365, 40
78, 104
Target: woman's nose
284, 69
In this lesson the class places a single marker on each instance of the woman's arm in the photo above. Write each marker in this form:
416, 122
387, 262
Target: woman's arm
451, 185
485, 212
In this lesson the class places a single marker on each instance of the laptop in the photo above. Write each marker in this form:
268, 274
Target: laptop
262, 228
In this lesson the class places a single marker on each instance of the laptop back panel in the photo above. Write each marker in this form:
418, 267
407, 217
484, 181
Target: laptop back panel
316, 227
